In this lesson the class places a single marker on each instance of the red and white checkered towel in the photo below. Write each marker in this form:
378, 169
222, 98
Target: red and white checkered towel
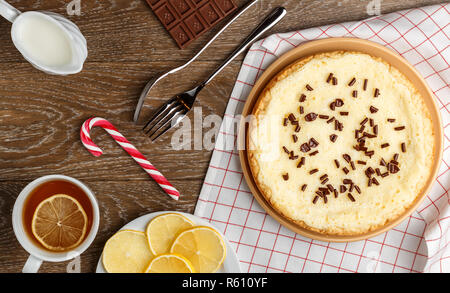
419, 244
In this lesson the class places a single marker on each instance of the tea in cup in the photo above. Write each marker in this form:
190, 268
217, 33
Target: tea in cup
55, 218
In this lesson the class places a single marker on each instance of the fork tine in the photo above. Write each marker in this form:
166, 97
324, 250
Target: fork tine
168, 118
161, 111
170, 125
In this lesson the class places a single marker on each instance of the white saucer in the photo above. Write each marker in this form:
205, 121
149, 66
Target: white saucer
230, 265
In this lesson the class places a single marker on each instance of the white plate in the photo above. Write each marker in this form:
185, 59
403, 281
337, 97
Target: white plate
230, 265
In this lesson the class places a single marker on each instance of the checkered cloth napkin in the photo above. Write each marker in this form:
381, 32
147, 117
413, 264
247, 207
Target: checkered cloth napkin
419, 244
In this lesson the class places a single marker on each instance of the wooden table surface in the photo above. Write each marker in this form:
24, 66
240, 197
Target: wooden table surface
41, 115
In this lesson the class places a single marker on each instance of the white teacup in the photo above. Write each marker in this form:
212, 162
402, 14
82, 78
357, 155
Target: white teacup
50, 37
38, 254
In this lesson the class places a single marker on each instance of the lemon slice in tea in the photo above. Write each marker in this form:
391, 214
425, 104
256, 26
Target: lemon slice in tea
59, 223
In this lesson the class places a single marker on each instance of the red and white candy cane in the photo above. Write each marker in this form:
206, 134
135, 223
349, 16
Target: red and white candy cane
128, 147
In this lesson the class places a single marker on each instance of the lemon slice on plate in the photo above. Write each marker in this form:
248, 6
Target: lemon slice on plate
59, 223
127, 251
170, 263
203, 246
162, 230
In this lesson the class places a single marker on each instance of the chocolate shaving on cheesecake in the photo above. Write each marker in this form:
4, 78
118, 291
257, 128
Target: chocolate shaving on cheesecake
346, 171
301, 162
334, 80
336, 194
325, 199
301, 110
385, 174
369, 172
285, 150
384, 145
376, 93
297, 128
304, 187
286, 177
391, 120
373, 109
285, 122
339, 103
369, 154
313, 171
403, 146
313, 143
309, 88
371, 122
361, 162
396, 157
358, 189
330, 187
377, 170
342, 188
347, 158
313, 153
310, 117
399, 128
333, 137
316, 198
355, 94
375, 181
291, 117
393, 169
325, 181
350, 196
375, 130
333, 106
305, 148
295, 138
302, 98
351, 187
352, 164
330, 77
336, 162
330, 120
352, 82
325, 117
323, 176
383, 162
364, 121
347, 181
343, 113
365, 84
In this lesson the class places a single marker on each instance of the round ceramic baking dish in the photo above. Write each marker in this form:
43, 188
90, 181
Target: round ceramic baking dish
328, 45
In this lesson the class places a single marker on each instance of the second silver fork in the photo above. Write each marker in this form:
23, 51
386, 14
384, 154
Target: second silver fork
174, 110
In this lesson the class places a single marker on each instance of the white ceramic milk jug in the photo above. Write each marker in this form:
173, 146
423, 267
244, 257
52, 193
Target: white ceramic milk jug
47, 40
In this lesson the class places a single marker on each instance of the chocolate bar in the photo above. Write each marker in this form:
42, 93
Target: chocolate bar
187, 20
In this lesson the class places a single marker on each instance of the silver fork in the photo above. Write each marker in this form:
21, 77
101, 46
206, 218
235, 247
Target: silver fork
148, 87
174, 110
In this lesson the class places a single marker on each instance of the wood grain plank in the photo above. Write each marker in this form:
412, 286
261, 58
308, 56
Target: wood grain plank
40, 115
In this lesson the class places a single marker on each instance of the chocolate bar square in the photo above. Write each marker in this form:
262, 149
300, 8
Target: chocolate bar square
187, 20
